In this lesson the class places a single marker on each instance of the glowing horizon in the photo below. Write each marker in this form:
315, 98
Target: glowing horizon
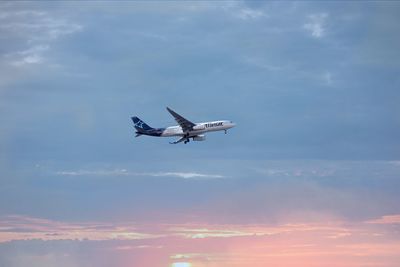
309, 177
339, 243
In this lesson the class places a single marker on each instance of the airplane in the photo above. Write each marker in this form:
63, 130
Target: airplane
185, 130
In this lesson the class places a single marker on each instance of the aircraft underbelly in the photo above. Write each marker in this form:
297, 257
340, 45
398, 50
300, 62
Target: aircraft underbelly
214, 129
172, 131
177, 131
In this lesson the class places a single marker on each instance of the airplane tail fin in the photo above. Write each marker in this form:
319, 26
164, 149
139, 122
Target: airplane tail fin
140, 125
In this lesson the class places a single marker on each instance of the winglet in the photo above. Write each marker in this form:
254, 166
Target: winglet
171, 111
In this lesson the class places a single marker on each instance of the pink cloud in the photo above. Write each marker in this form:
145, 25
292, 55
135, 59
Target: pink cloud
322, 242
389, 219
16, 227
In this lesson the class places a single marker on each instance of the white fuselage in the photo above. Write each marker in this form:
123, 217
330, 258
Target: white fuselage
199, 128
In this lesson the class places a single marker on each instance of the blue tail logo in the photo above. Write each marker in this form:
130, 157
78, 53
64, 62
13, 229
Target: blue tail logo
140, 125
143, 129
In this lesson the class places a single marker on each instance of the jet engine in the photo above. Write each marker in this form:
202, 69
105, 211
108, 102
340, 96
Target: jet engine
200, 137
199, 127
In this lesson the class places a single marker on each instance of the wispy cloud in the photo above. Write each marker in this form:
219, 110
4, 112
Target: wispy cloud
32, 55
327, 78
116, 172
262, 64
297, 172
37, 29
395, 163
388, 219
191, 256
354, 243
17, 227
316, 24
186, 175
124, 172
20, 227
207, 233
36, 26
247, 13
239, 10
127, 247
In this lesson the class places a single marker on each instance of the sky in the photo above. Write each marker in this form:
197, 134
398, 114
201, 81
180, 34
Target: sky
310, 175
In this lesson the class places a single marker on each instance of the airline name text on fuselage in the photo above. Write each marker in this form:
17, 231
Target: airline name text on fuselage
215, 124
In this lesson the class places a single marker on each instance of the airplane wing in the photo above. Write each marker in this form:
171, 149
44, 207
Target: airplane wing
185, 124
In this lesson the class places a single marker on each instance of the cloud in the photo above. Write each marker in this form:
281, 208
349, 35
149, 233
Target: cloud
341, 243
36, 31
189, 256
388, 219
124, 172
207, 233
116, 172
298, 171
127, 247
395, 163
21, 227
247, 13
36, 26
262, 64
22, 14
316, 25
241, 11
187, 175
327, 78
32, 55
17, 227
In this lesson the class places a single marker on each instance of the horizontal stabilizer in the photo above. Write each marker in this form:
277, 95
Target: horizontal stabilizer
179, 140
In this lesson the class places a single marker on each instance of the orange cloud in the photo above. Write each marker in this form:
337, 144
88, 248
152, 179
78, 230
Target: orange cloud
17, 227
322, 243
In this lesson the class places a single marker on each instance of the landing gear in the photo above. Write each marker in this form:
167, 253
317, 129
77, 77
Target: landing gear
187, 138
225, 131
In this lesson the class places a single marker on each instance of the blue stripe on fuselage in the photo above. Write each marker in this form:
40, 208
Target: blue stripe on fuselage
151, 132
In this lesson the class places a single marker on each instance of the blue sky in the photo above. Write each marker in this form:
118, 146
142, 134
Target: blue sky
312, 86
